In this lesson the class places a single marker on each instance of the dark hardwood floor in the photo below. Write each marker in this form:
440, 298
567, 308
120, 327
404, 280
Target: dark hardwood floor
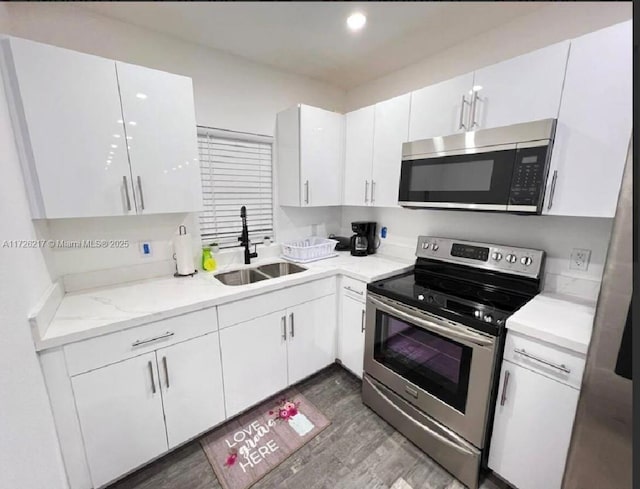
359, 450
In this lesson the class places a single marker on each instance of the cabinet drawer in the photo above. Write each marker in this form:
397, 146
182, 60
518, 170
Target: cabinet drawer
354, 288
103, 350
552, 361
261, 305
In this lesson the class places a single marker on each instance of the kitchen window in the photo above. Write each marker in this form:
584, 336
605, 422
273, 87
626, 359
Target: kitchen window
236, 170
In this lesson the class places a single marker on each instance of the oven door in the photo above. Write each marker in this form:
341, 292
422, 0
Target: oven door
443, 368
476, 181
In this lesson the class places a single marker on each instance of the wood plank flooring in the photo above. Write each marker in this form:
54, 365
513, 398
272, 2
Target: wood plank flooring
359, 450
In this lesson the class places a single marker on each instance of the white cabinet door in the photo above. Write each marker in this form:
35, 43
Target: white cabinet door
192, 393
254, 360
72, 131
120, 412
351, 335
594, 125
321, 156
311, 337
438, 110
532, 430
161, 134
358, 156
521, 89
391, 130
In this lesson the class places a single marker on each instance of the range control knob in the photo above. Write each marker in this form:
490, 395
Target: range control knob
526, 260
434, 247
420, 297
511, 258
497, 256
425, 246
488, 318
478, 314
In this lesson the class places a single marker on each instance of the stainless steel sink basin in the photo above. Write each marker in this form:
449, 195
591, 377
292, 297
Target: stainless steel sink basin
281, 268
241, 277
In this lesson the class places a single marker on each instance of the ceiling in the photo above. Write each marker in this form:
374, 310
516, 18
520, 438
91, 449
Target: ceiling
311, 38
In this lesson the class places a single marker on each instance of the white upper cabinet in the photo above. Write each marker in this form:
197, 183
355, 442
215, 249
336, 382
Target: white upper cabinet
160, 127
391, 130
310, 154
87, 126
69, 127
521, 89
358, 156
441, 109
594, 125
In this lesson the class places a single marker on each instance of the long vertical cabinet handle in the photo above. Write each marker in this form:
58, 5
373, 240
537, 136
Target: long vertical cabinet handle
366, 191
505, 383
153, 380
461, 123
284, 327
373, 191
553, 189
140, 189
472, 113
306, 192
166, 371
291, 326
126, 191
363, 319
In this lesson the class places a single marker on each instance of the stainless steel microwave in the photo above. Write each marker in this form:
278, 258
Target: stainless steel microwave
499, 169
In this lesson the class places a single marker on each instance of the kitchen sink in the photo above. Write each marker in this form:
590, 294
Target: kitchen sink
242, 277
281, 268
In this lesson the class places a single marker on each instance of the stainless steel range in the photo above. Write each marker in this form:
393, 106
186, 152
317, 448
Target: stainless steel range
434, 340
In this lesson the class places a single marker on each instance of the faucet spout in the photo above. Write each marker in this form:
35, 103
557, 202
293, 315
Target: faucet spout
244, 238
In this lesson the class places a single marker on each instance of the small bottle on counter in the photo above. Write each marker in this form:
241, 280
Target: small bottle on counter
208, 260
266, 241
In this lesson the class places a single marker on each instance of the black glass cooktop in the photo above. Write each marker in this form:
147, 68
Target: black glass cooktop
481, 299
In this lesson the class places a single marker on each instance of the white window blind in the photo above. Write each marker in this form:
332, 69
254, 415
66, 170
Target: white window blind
236, 170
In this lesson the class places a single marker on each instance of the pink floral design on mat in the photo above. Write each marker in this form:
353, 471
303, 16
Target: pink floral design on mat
286, 409
231, 458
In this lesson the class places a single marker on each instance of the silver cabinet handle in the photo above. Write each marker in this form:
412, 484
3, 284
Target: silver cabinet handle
166, 371
553, 189
461, 123
359, 292
284, 328
363, 321
155, 338
140, 189
153, 380
560, 366
411, 392
472, 114
366, 191
306, 192
505, 383
292, 327
126, 192
373, 191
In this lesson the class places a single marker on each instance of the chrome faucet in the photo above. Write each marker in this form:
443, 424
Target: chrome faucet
244, 238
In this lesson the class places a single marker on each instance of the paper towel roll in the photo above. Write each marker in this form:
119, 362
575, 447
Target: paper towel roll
183, 249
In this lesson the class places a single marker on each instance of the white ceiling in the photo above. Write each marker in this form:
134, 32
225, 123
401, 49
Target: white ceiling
311, 38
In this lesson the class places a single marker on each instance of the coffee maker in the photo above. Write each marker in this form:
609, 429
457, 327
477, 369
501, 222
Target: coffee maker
363, 243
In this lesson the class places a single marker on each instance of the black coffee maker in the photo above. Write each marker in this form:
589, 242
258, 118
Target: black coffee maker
363, 243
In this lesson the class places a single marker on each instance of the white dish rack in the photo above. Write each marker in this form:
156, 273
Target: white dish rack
309, 249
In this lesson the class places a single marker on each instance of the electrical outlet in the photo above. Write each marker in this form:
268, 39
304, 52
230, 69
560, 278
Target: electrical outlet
145, 248
580, 259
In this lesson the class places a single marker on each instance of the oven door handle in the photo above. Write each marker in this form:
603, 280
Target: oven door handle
443, 330
459, 446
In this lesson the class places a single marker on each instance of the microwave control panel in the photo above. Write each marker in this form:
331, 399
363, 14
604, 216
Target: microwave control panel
528, 179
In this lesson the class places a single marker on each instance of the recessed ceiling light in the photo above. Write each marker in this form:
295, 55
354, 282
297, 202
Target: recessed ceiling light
356, 21
141, 95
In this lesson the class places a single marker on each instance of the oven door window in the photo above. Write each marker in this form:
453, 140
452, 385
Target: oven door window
483, 178
438, 365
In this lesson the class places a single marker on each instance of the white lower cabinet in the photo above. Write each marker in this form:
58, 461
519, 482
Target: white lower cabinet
254, 359
532, 427
351, 337
120, 412
191, 384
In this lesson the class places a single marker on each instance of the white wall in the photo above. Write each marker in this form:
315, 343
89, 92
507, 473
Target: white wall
555, 22
29, 452
230, 93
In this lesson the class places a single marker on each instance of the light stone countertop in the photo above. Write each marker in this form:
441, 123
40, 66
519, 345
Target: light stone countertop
93, 312
561, 320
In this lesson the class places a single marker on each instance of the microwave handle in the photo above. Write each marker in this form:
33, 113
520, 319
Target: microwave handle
553, 189
430, 325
